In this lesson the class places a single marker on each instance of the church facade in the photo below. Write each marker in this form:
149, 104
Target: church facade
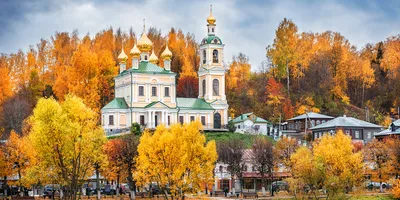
146, 92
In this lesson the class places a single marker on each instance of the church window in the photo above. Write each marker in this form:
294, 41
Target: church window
203, 120
181, 119
111, 120
212, 30
145, 57
154, 91
215, 87
204, 57
215, 56
141, 90
166, 91
221, 168
169, 120
142, 120
204, 88
192, 118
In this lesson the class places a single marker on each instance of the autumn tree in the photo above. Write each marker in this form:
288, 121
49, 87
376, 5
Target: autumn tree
378, 153
277, 101
231, 152
115, 167
284, 149
263, 157
67, 140
177, 158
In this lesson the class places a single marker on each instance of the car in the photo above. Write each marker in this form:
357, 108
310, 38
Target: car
125, 188
107, 190
51, 189
372, 184
280, 185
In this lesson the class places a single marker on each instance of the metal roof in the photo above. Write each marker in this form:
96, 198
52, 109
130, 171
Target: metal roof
117, 103
244, 117
311, 115
147, 68
345, 122
193, 103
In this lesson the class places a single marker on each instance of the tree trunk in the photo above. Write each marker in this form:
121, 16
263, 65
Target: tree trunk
98, 182
287, 78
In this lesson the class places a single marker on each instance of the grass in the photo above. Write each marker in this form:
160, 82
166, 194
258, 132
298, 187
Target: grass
373, 197
224, 136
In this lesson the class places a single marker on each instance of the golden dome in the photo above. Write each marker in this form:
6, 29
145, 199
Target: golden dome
211, 19
144, 43
166, 54
153, 58
122, 57
135, 52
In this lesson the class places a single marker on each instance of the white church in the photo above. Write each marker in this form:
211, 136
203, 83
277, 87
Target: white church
146, 92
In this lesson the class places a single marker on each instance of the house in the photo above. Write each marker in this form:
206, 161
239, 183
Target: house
392, 131
298, 126
250, 123
146, 92
359, 130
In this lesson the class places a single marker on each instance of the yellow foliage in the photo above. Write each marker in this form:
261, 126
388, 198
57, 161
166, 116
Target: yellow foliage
177, 157
396, 190
66, 139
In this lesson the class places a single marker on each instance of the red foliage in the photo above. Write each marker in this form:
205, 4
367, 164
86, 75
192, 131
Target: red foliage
188, 86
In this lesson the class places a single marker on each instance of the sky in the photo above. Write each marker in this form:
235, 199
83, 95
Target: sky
246, 26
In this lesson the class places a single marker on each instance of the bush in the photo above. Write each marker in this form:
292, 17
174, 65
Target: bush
231, 127
135, 129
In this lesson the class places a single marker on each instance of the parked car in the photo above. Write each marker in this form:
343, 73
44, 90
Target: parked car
280, 185
125, 188
89, 190
371, 185
51, 189
107, 190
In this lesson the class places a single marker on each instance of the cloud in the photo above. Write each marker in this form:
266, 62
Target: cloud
244, 26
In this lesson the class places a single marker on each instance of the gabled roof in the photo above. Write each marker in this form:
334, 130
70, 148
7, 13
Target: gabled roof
244, 117
147, 68
154, 103
346, 122
193, 103
311, 115
396, 123
116, 103
388, 132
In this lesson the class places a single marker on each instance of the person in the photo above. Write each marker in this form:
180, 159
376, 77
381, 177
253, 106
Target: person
226, 190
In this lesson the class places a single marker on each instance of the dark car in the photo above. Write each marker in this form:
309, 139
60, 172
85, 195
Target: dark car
50, 190
107, 190
279, 186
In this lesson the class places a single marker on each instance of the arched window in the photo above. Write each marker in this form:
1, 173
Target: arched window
318, 122
215, 87
204, 87
215, 56
145, 57
204, 57
245, 168
221, 168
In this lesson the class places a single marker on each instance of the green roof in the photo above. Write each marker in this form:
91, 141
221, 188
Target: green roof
117, 103
244, 117
193, 103
147, 68
211, 39
154, 103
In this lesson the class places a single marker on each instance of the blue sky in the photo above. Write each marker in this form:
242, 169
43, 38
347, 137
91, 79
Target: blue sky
244, 26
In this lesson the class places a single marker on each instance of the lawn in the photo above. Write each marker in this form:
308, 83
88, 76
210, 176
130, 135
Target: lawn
373, 197
223, 136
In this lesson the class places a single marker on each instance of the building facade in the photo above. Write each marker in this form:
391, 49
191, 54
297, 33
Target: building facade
146, 92
298, 127
359, 130
393, 131
250, 123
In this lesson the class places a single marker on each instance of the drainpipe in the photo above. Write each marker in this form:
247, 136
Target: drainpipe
130, 106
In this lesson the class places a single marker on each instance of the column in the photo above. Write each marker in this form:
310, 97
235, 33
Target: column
148, 119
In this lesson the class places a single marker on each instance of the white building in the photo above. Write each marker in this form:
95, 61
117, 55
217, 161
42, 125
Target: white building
250, 123
146, 93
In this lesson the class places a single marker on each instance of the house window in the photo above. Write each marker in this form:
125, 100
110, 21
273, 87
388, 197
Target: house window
142, 120
111, 120
245, 168
253, 169
238, 126
215, 87
141, 90
169, 120
204, 57
204, 87
347, 132
153, 91
192, 118
323, 121
181, 119
312, 123
166, 91
215, 56
320, 134
203, 120
357, 134
369, 135
318, 122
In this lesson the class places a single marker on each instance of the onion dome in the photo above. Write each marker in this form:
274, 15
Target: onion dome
153, 58
144, 43
135, 52
166, 54
122, 57
211, 19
